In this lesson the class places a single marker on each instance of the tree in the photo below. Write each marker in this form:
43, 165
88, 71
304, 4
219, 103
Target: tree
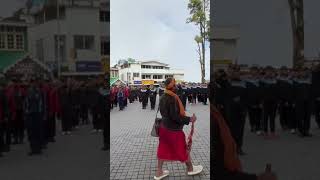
199, 13
297, 25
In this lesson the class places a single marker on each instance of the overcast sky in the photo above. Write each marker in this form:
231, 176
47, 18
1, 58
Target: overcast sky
265, 29
8, 6
155, 30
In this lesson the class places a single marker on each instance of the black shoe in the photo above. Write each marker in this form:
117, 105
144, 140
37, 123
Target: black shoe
34, 153
6, 149
308, 135
51, 140
241, 152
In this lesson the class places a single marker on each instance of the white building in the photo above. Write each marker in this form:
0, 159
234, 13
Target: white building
83, 32
148, 72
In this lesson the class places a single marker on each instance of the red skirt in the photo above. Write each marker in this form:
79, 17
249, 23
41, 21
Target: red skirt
172, 145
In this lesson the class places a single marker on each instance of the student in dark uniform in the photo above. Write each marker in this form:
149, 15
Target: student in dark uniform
121, 98
34, 110
270, 102
105, 103
184, 95
199, 95
254, 101
153, 96
3, 117
316, 93
221, 84
66, 109
204, 95
286, 98
131, 94
303, 103
18, 131
236, 108
194, 95
161, 90
144, 97
84, 103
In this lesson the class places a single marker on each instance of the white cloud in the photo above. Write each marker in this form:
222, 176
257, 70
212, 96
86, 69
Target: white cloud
155, 29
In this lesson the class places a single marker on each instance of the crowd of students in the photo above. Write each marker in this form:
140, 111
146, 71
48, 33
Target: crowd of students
261, 94
33, 106
145, 94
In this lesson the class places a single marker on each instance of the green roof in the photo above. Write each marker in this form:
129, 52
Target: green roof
8, 58
113, 80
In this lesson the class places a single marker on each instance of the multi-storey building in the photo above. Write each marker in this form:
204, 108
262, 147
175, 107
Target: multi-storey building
147, 72
75, 36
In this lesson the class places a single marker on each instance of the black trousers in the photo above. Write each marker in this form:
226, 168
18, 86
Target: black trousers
131, 98
144, 102
66, 120
204, 99
51, 127
303, 116
34, 129
75, 116
106, 140
2, 131
96, 119
286, 115
121, 102
317, 112
84, 114
255, 117
152, 102
190, 98
237, 123
269, 116
18, 127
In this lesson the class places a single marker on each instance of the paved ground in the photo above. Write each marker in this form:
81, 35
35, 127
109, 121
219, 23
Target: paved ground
292, 157
76, 157
133, 150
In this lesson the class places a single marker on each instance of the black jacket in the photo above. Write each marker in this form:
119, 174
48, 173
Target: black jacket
170, 112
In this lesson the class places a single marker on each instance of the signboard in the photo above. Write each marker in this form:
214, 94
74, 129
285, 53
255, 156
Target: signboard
26, 67
88, 66
147, 82
137, 82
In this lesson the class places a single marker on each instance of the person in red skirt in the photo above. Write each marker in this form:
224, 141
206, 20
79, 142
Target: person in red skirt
172, 140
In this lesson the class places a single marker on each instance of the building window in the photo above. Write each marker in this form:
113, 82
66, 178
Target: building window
62, 49
136, 75
19, 41
145, 76
39, 49
157, 76
104, 16
168, 76
157, 67
84, 42
145, 67
3, 41
10, 40
105, 46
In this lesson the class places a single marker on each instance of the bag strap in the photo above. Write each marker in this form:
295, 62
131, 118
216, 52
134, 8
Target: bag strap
157, 112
